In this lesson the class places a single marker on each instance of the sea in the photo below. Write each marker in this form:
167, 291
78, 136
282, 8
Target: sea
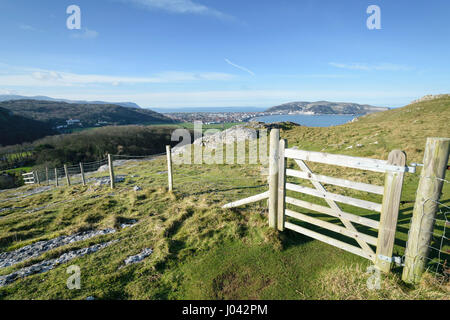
323, 120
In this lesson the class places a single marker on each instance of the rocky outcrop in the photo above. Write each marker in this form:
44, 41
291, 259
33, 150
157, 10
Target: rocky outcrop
234, 134
47, 265
139, 257
36, 249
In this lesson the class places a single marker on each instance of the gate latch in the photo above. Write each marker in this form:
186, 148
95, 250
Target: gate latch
397, 260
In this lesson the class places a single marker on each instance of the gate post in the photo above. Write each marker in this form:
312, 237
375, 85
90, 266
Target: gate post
273, 177
435, 162
281, 185
169, 168
389, 212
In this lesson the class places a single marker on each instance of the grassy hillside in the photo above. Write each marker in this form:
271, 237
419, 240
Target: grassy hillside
90, 145
15, 129
201, 251
56, 113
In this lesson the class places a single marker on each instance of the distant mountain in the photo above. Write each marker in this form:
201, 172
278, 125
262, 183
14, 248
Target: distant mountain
326, 107
57, 113
44, 98
16, 129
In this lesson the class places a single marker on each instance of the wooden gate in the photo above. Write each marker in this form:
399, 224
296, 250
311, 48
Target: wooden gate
393, 168
29, 178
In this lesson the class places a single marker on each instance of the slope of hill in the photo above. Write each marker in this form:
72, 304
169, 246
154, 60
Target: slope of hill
9, 97
325, 107
56, 113
376, 134
16, 129
201, 251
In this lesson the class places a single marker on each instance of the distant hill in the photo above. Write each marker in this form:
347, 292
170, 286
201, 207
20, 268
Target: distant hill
56, 113
326, 107
44, 98
16, 129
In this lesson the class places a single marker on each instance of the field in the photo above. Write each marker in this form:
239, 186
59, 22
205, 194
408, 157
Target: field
201, 251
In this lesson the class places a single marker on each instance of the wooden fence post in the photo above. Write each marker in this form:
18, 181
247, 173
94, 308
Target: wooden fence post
435, 162
56, 177
82, 174
273, 177
169, 167
67, 174
36, 173
281, 185
389, 212
46, 176
111, 170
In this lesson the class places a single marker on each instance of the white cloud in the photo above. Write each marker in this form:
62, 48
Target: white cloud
180, 7
84, 33
239, 67
368, 67
27, 77
27, 27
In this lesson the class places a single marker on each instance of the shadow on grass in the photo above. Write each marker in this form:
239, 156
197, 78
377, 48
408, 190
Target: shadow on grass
222, 190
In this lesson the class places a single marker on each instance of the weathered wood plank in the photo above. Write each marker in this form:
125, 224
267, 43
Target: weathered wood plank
336, 181
344, 161
331, 226
389, 212
338, 214
335, 197
255, 198
319, 187
341, 245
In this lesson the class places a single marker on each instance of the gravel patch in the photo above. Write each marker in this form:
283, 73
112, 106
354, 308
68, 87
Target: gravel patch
47, 265
36, 249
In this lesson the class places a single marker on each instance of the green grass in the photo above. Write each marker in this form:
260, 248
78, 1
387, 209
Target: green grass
204, 252
21, 169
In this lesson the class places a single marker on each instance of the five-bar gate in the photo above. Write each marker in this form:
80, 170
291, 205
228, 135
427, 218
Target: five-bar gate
377, 249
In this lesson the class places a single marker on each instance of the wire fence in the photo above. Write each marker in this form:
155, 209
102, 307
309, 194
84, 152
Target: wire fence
220, 181
436, 252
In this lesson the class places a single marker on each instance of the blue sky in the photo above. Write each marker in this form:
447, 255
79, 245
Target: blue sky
214, 53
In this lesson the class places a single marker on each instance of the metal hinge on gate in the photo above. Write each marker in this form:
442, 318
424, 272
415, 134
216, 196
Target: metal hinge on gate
397, 260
